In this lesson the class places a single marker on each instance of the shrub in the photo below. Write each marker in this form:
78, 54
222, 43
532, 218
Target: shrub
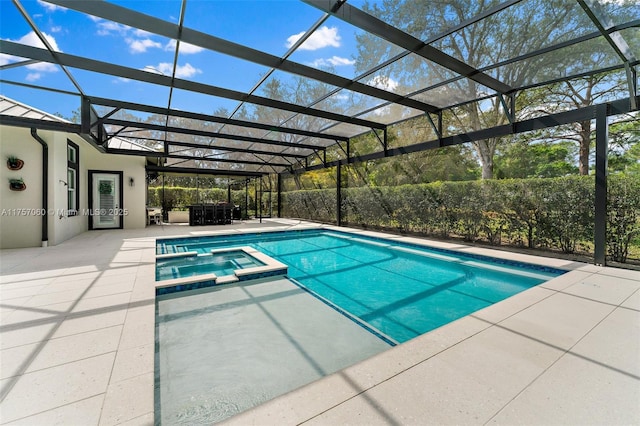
554, 213
568, 213
623, 218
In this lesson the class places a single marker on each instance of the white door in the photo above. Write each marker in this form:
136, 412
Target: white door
106, 198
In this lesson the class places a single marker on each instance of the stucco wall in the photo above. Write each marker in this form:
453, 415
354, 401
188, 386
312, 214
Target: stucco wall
64, 226
133, 196
21, 223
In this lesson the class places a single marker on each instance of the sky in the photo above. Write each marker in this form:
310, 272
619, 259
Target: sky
272, 26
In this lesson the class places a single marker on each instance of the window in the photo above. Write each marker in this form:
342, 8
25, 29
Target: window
73, 192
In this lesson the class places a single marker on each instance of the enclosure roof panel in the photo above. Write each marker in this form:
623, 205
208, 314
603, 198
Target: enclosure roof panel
251, 74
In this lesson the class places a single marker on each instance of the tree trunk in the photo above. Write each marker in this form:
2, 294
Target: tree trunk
585, 142
487, 169
486, 150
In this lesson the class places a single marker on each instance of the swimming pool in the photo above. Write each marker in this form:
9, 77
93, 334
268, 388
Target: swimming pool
227, 348
345, 297
401, 290
221, 264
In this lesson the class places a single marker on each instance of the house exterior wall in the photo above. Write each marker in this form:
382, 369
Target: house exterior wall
61, 225
133, 196
20, 221
18, 226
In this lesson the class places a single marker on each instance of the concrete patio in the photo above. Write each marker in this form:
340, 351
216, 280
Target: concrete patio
77, 347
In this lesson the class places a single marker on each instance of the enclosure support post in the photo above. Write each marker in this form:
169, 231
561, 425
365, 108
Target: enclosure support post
259, 199
632, 83
602, 145
198, 189
270, 196
508, 109
385, 142
246, 198
436, 128
440, 128
279, 195
339, 195
165, 215
85, 117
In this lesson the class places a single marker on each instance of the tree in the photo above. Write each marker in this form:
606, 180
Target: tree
624, 144
294, 90
578, 93
452, 163
521, 159
514, 31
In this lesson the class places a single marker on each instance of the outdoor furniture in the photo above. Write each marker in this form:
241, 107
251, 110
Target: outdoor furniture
154, 215
223, 213
211, 214
196, 215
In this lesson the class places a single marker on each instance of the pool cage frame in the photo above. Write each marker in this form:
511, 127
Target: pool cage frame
284, 157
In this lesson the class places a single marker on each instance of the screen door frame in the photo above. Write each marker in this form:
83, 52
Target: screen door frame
94, 197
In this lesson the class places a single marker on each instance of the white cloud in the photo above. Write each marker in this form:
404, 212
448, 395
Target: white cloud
33, 76
38, 66
335, 61
50, 7
139, 41
56, 29
322, 37
185, 48
382, 112
141, 33
166, 68
187, 71
384, 83
141, 46
108, 27
31, 39
43, 67
7, 59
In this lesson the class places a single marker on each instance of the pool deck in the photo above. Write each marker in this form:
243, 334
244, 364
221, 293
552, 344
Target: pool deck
77, 347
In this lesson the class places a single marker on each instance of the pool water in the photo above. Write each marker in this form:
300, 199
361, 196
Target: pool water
227, 348
401, 290
219, 264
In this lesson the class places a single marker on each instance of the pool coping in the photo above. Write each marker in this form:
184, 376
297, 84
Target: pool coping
481, 253
113, 383
271, 267
353, 392
325, 395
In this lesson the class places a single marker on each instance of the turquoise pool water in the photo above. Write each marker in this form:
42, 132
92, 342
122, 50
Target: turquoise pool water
227, 348
204, 263
402, 290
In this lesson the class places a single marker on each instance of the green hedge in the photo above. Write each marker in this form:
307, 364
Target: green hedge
623, 219
179, 197
554, 213
317, 204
